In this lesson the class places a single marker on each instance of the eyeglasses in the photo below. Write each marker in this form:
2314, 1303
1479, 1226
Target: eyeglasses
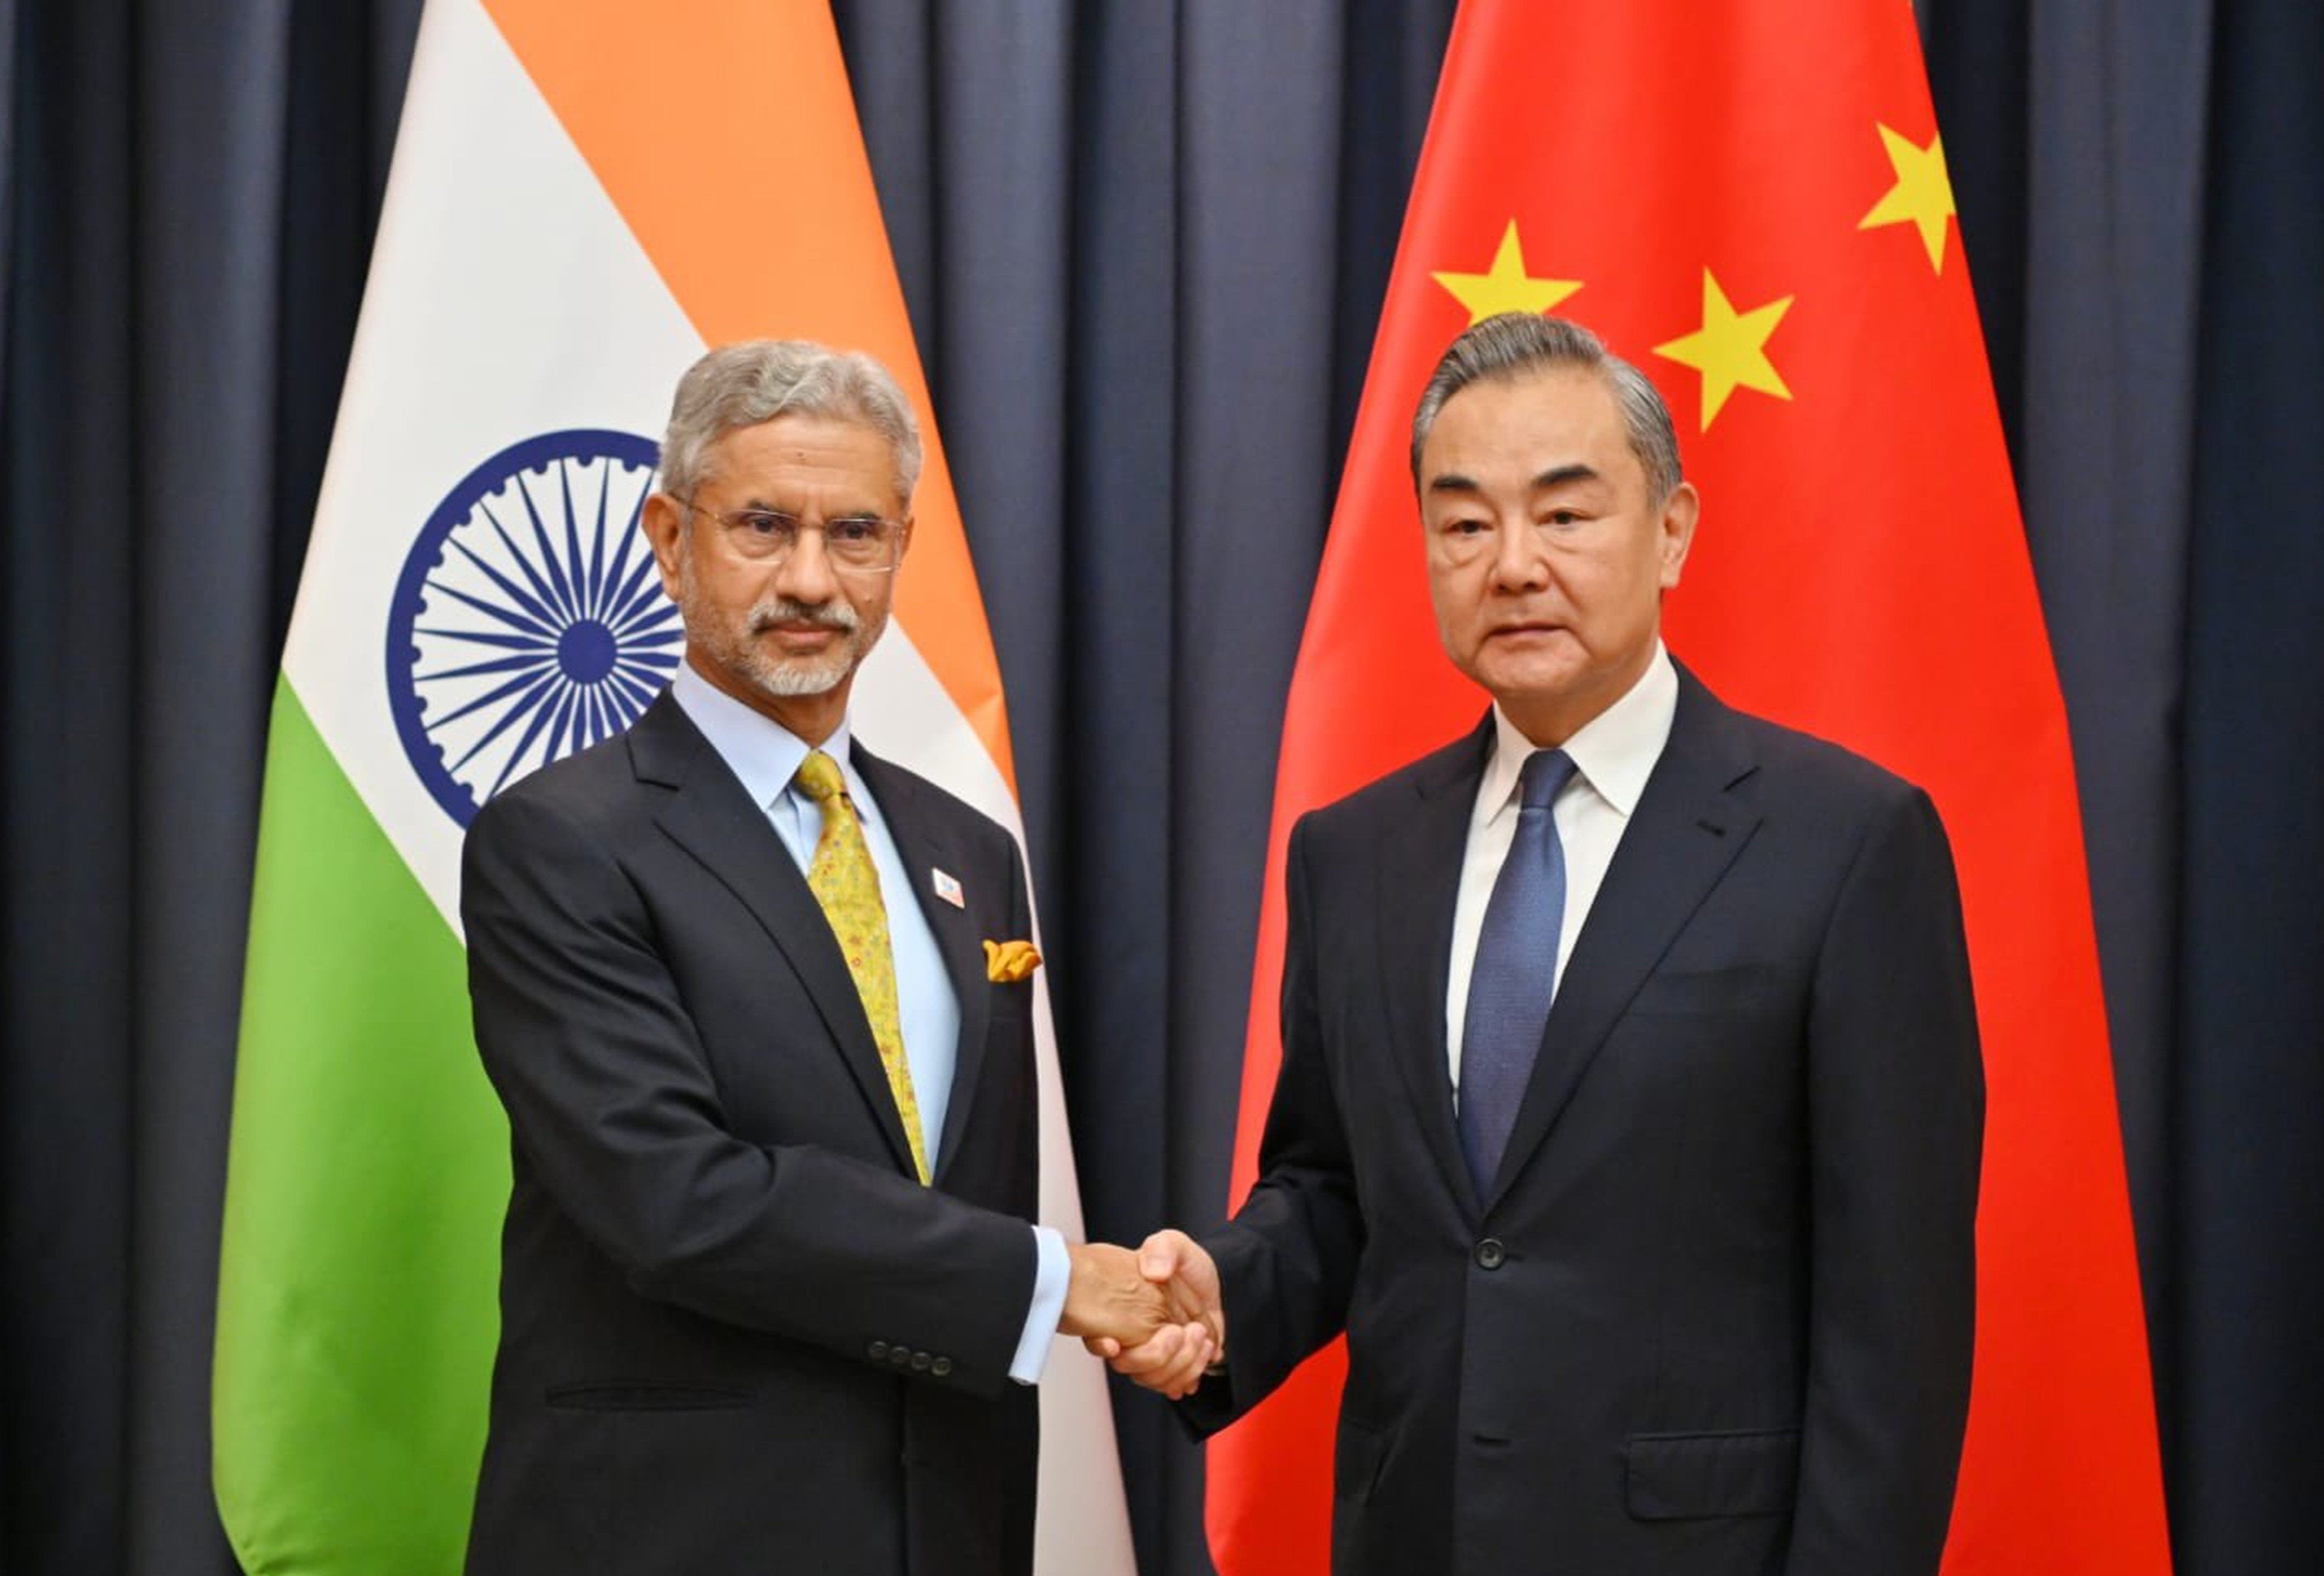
857, 544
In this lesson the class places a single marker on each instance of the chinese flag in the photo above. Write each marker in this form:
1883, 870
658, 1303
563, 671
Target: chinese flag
1747, 199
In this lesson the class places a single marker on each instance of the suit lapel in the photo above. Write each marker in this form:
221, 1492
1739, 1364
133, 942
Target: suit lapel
1686, 831
711, 816
960, 931
1420, 881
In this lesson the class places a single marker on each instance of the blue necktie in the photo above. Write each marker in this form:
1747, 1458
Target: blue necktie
1516, 970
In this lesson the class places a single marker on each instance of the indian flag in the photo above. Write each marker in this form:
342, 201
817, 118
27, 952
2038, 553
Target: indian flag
585, 195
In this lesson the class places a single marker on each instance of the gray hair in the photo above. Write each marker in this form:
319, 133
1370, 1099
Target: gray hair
1514, 343
752, 381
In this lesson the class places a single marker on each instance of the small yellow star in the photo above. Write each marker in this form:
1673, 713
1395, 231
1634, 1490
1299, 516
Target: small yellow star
1923, 195
1506, 289
1730, 349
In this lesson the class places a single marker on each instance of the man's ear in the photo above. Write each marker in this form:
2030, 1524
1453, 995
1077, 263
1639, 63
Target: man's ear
663, 521
1681, 510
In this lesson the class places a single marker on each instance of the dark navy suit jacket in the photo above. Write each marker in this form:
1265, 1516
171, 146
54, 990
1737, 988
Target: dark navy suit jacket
737, 1333
1715, 1314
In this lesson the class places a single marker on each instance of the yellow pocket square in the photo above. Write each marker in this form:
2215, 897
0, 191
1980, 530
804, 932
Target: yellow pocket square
1006, 962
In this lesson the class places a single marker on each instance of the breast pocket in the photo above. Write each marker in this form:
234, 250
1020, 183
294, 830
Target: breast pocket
1747, 987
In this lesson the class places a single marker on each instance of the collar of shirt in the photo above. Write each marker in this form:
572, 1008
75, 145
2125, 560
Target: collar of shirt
1614, 752
761, 751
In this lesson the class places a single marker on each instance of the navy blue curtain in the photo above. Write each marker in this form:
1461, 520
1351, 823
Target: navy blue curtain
1144, 243
2247, 1078
185, 204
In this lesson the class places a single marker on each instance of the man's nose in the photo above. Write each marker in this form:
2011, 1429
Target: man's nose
1518, 560
806, 576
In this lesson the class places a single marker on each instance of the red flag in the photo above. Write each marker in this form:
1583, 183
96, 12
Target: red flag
1747, 199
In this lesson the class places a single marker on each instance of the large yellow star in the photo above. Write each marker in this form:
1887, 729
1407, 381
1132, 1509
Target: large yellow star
1506, 289
1923, 195
1730, 349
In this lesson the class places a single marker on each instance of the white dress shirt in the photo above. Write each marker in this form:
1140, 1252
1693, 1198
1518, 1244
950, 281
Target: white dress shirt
1613, 754
766, 756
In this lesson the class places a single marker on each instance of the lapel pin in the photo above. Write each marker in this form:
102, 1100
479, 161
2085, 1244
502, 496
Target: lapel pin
948, 888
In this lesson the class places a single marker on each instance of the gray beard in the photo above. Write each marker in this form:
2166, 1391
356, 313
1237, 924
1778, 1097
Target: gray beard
793, 676
783, 677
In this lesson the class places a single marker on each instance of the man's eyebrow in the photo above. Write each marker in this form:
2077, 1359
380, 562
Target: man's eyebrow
1556, 476
759, 507
1559, 475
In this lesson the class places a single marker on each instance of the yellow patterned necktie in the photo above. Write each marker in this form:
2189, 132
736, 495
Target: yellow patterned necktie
847, 885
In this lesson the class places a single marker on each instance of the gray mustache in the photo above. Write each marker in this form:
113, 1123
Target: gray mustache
833, 615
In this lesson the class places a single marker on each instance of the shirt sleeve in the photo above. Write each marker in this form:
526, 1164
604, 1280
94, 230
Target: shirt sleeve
1049, 1279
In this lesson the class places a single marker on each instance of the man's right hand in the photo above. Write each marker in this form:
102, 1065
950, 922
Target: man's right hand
1114, 1306
1172, 1362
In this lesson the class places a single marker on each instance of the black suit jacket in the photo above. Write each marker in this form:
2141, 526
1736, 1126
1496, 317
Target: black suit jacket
737, 1334
1714, 1314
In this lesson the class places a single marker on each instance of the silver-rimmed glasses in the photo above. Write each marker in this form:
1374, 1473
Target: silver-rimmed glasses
857, 544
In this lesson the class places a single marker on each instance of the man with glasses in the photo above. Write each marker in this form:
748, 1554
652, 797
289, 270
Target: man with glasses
770, 1297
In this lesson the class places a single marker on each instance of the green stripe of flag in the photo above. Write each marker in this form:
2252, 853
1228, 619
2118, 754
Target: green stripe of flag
367, 1179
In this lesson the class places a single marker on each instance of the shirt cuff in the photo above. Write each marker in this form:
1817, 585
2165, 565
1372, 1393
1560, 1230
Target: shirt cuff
1054, 1268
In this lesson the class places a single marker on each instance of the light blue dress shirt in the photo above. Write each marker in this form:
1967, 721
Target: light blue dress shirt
766, 756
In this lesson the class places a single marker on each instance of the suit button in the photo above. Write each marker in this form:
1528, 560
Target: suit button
901, 1356
877, 1350
1490, 1254
919, 1362
941, 1367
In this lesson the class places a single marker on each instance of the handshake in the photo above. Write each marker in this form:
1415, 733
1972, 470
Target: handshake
1154, 1315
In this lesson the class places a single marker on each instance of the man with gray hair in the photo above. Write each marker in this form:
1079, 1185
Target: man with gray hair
770, 1296
1630, 1106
